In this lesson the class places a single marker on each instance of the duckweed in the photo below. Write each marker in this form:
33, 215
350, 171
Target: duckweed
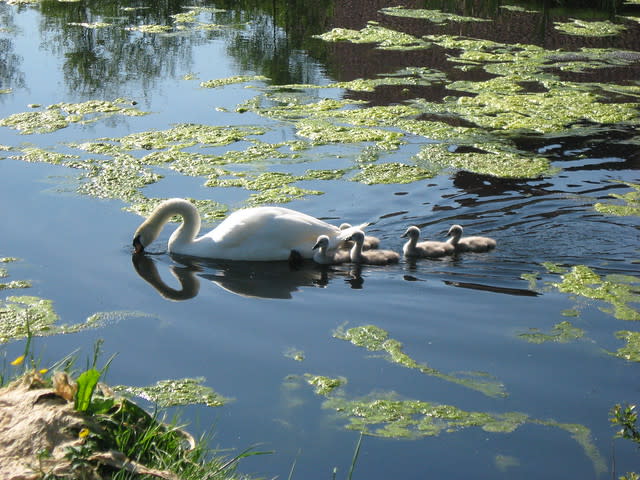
391, 173
434, 16
151, 28
620, 292
171, 393
631, 351
374, 33
487, 162
34, 154
321, 132
231, 80
589, 28
562, 332
630, 206
60, 115
324, 385
376, 339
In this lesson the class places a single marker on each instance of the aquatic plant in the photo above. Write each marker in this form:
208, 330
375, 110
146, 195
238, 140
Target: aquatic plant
377, 340
630, 203
562, 332
171, 393
589, 28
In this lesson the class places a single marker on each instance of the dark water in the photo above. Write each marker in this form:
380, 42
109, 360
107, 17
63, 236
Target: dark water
234, 323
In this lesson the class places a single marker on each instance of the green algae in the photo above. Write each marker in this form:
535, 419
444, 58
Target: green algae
619, 292
232, 80
119, 178
180, 392
563, 332
5, 91
434, 16
416, 77
324, 385
34, 154
92, 25
294, 354
631, 351
61, 115
15, 284
488, 161
505, 462
630, 203
385, 38
187, 134
376, 339
589, 28
391, 173
322, 132
150, 28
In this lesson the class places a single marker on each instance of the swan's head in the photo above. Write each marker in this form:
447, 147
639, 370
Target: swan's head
412, 232
357, 237
455, 230
144, 236
322, 242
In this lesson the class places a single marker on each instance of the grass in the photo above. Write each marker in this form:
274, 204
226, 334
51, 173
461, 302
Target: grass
105, 436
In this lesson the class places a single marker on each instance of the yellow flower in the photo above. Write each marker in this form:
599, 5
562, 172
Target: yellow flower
18, 361
83, 433
42, 371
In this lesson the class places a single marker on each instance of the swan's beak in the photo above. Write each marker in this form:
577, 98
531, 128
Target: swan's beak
137, 245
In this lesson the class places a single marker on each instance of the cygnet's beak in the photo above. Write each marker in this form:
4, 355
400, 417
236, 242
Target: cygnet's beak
137, 245
316, 246
405, 234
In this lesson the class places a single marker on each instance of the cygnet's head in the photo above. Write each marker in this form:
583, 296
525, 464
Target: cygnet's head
322, 242
357, 237
455, 230
412, 232
344, 226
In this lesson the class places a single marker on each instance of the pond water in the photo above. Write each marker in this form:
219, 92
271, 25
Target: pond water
499, 364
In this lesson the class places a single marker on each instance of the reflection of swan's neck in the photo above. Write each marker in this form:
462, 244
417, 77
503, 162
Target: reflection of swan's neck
184, 234
189, 283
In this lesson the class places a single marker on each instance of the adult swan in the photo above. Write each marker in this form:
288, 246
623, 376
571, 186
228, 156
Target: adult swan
255, 234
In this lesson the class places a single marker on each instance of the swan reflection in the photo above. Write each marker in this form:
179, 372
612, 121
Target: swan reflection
248, 279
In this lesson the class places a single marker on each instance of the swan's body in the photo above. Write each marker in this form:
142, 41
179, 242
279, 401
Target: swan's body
370, 242
426, 249
324, 256
469, 244
255, 234
370, 257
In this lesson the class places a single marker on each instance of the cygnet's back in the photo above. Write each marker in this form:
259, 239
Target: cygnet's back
469, 244
370, 242
324, 256
426, 249
370, 257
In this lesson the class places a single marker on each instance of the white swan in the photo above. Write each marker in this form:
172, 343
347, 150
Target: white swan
427, 249
370, 242
469, 244
255, 234
370, 257
324, 256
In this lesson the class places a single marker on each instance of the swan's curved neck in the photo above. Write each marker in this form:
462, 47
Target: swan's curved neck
185, 233
455, 237
356, 250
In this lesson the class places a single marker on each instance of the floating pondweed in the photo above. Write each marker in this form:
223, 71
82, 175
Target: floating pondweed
324, 385
377, 340
435, 16
630, 203
60, 115
171, 393
374, 33
231, 80
562, 332
589, 28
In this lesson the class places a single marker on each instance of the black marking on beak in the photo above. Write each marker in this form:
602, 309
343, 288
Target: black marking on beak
137, 245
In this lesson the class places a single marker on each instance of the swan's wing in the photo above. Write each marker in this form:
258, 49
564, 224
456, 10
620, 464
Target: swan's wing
273, 226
